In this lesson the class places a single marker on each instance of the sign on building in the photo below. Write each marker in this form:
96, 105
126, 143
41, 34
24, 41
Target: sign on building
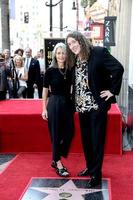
109, 31
97, 30
49, 44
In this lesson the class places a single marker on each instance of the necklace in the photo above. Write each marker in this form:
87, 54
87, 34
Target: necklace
63, 73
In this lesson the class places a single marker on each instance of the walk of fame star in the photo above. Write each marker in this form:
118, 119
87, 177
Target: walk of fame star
65, 189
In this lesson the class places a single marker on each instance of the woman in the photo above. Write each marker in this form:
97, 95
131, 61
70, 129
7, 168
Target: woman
22, 76
97, 78
57, 109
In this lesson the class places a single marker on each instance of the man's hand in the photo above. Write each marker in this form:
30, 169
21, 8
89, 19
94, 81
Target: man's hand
106, 94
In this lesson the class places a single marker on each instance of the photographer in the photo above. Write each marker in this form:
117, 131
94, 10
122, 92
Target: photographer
4, 73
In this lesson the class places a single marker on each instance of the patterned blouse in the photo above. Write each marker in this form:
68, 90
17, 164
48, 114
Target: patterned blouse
84, 101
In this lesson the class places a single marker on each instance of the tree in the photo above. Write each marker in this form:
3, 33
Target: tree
85, 3
4, 25
92, 2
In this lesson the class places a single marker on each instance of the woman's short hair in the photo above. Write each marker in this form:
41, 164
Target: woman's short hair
2, 57
58, 45
19, 50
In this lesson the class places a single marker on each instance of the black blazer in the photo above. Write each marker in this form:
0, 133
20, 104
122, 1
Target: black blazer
104, 73
34, 72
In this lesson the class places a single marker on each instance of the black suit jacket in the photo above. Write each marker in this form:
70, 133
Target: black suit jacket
34, 72
104, 73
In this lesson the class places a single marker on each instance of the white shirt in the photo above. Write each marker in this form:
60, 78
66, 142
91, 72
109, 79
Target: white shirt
42, 64
20, 72
27, 59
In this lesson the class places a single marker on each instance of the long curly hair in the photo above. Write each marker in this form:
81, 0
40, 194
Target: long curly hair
85, 46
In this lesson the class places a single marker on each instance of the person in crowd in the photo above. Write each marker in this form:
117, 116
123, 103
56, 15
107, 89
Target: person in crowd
97, 78
10, 66
57, 108
4, 73
32, 66
38, 55
42, 69
22, 76
19, 52
41, 61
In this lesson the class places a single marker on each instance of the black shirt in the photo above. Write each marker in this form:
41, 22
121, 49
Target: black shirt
58, 80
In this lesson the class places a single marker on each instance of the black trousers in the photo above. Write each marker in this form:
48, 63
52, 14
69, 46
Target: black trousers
2, 95
61, 125
30, 91
40, 86
93, 132
21, 92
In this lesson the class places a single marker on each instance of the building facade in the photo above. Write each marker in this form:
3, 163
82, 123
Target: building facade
124, 51
31, 30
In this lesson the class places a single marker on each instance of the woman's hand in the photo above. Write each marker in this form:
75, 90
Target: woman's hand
106, 94
45, 115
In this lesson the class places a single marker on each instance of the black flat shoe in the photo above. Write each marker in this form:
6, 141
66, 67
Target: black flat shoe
62, 172
53, 164
93, 182
84, 172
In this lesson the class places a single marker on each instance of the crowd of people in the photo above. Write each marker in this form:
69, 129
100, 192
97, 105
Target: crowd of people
23, 73
81, 78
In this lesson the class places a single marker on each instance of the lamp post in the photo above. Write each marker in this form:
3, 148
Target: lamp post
61, 16
76, 7
51, 5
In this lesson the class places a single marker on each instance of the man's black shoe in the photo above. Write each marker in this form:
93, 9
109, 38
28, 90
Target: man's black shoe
84, 172
93, 182
54, 164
